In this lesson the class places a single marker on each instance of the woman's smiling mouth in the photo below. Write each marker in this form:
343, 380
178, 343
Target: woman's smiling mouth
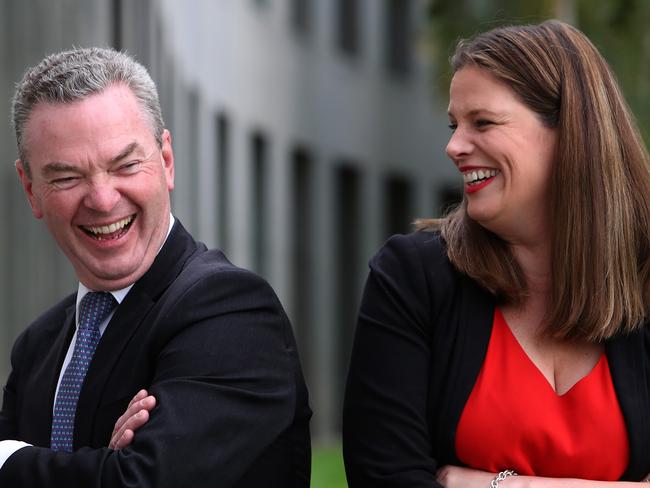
477, 179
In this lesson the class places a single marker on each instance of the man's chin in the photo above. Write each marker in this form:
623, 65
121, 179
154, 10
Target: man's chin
112, 279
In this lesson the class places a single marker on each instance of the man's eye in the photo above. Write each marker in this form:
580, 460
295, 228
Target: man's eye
130, 166
65, 182
453, 127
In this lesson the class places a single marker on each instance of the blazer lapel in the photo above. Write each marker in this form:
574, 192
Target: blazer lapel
476, 314
627, 361
128, 318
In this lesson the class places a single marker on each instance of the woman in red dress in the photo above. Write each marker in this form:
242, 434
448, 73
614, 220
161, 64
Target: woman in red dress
507, 344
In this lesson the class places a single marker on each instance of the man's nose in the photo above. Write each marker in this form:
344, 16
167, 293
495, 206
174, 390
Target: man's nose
102, 195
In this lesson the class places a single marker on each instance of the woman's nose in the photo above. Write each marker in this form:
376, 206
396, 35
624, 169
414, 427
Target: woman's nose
459, 145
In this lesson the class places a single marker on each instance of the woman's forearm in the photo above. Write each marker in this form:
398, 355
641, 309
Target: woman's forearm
462, 477
540, 482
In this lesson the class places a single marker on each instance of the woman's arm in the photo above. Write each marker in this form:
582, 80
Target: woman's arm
386, 439
458, 477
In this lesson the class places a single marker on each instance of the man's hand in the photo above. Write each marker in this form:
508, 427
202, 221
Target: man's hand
136, 415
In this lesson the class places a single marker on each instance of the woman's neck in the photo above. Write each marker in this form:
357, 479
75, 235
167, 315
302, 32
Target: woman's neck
535, 263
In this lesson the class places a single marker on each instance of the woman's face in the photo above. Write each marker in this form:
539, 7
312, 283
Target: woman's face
504, 153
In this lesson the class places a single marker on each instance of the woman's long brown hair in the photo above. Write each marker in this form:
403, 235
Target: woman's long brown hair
600, 217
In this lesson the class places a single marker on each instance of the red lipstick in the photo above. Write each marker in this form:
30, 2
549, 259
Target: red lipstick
473, 188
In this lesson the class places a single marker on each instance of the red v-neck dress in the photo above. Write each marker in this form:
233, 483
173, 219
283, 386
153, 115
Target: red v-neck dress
515, 420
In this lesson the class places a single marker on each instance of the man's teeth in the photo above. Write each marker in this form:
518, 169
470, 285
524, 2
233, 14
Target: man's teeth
109, 229
481, 174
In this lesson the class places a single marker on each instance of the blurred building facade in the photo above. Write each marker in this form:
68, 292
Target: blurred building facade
305, 132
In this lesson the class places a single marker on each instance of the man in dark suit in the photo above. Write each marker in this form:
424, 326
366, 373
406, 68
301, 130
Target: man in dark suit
154, 309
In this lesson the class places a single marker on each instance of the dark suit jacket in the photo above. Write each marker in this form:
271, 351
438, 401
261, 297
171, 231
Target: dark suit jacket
421, 339
211, 342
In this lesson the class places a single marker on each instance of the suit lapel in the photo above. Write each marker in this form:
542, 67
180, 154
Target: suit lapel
129, 316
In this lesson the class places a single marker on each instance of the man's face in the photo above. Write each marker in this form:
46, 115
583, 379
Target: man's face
101, 183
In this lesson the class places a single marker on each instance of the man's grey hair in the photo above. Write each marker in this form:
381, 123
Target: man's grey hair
73, 75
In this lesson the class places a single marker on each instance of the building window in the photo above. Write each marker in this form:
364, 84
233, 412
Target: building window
116, 25
398, 37
259, 221
398, 205
348, 239
448, 196
348, 26
222, 153
301, 12
301, 266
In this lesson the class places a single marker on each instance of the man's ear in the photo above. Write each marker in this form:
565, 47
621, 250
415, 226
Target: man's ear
168, 159
26, 181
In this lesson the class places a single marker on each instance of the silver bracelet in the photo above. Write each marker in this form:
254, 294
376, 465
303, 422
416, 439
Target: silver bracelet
501, 476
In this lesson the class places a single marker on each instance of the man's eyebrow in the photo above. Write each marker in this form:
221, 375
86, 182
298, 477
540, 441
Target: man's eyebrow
131, 148
62, 167
58, 167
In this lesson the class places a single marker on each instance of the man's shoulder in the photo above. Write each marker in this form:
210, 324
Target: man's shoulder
213, 270
214, 262
190, 283
184, 261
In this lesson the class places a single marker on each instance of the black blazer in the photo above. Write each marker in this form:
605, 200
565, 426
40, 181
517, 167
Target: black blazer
214, 346
420, 342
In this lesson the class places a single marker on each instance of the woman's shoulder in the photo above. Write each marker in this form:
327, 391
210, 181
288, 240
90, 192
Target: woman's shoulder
424, 249
423, 238
417, 268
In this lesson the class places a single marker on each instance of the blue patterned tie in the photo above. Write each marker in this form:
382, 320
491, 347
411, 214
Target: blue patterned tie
94, 308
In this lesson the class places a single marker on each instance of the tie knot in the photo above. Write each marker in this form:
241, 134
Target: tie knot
94, 308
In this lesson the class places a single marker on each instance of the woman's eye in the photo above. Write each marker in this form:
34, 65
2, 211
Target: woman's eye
453, 127
483, 123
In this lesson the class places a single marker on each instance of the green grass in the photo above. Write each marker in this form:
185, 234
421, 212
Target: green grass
327, 468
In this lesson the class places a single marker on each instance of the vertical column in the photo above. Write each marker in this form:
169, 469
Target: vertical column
135, 28
181, 138
371, 23
324, 315
206, 197
222, 129
279, 193
373, 220
239, 211
259, 221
